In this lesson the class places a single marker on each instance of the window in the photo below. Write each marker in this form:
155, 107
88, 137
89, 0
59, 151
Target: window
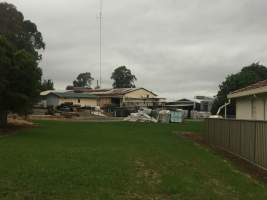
79, 101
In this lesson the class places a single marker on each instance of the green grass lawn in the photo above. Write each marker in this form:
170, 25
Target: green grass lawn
119, 161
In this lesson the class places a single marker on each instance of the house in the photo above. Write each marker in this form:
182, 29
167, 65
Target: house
43, 98
199, 103
82, 99
124, 97
251, 101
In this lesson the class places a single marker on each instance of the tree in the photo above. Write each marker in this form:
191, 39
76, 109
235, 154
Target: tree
20, 76
23, 34
20, 79
69, 87
123, 78
83, 80
247, 76
47, 85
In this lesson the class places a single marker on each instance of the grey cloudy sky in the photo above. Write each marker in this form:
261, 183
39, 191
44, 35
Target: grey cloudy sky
177, 48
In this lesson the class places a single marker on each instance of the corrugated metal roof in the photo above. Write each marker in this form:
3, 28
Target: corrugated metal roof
252, 87
189, 100
44, 93
114, 92
74, 95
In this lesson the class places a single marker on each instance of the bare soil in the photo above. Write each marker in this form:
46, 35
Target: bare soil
15, 124
88, 118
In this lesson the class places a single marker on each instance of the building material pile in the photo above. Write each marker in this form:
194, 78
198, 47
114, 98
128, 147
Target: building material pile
141, 116
177, 116
162, 116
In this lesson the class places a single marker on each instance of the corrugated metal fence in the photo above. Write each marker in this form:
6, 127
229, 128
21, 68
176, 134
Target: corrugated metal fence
247, 139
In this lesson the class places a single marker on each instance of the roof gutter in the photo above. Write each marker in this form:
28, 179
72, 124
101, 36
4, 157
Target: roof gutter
247, 92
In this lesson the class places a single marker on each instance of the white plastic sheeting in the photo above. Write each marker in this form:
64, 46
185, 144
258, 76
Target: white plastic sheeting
141, 116
177, 116
163, 116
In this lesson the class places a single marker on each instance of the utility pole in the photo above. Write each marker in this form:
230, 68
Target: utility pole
100, 42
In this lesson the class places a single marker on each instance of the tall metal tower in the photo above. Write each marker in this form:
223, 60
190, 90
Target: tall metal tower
100, 41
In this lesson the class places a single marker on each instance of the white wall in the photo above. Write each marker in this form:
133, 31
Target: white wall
258, 105
82, 102
140, 93
252, 108
243, 108
52, 100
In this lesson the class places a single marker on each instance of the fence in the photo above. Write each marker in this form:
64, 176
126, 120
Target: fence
247, 139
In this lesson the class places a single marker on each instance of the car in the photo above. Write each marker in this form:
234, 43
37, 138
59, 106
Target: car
66, 109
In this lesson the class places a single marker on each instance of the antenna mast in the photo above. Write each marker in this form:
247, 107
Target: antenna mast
100, 42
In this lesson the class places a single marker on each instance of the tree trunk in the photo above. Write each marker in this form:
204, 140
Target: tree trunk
26, 116
3, 118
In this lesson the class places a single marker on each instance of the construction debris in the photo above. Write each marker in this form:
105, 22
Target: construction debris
147, 111
162, 116
177, 116
141, 116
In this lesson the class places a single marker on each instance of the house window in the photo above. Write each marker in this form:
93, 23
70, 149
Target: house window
79, 101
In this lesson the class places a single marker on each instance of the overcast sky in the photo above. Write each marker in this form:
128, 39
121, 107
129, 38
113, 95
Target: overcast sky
176, 48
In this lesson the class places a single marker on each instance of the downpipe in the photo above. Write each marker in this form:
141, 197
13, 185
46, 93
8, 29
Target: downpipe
225, 109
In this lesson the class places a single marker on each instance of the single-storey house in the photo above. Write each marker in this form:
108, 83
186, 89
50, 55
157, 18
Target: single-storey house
251, 101
43, 97
82, 99
125, 97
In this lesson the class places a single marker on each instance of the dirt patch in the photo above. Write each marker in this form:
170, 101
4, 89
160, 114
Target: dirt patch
90, 118
150, 176
20, 122
193, 136
241, 164
15, 124
145, 177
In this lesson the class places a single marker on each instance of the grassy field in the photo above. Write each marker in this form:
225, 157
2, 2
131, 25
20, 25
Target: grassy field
119, 161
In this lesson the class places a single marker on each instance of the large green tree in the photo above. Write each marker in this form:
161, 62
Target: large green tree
123, 78
247, 76
20, 76
23, 34
19, 80
83, 80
